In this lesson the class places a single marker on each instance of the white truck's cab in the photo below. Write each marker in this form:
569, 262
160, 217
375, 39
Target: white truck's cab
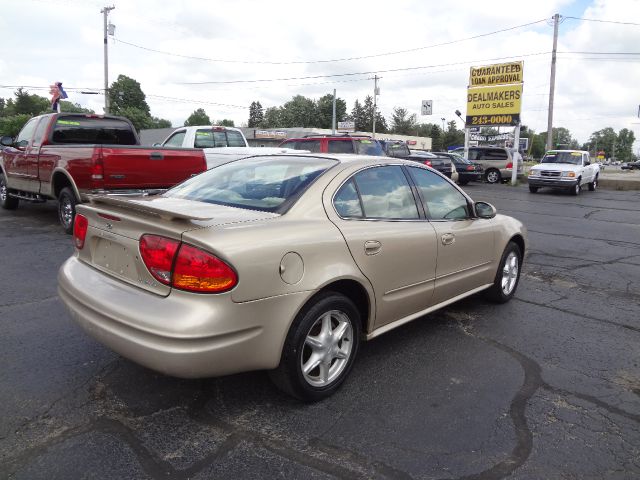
220, 144
564, 169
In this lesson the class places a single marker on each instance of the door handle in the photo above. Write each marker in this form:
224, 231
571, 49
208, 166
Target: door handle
372, 247
448, 239
156, 156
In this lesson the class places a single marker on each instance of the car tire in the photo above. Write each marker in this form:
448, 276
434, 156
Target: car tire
493, 176
7, 202
533, 189
67, 202
575, 189
310, 345
593, 185
507, 277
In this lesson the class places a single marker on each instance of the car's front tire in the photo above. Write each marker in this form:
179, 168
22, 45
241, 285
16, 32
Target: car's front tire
593, 185
320, 348
575, 189
533, 189
507, 277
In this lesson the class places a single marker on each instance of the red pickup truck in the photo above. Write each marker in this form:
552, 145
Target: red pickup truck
67, 156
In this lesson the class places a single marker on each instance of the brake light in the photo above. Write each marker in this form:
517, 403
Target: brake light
80, 227
185, 267
428, 163
509, 165
470, 168
158, 254
97, 169
199, 271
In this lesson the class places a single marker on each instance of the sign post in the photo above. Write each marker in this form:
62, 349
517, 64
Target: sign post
427, 107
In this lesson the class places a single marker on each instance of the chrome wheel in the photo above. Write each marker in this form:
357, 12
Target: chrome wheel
66, 212
327, 348
493, 176
3, 191
509, 273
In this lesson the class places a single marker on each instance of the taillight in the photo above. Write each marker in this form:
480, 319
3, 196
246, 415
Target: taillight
158, 254
470, 168
428, 163
80, 226
199, 271
97, 169
185, 267
509, 165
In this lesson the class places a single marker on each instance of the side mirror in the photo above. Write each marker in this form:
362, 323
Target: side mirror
484, 210
586, 164
7, 141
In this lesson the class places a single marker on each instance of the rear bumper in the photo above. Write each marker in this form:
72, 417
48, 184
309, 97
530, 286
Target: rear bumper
183, 335
552, 183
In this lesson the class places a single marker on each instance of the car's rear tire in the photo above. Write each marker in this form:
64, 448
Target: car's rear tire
6, 201
320, 348
507, 277
533, 189
575, 189
493, 176
67, 202
593, 185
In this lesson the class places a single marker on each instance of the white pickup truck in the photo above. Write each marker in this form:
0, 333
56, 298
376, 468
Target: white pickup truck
565, 169
220, 144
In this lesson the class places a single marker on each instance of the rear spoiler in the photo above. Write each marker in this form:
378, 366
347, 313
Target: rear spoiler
142, 206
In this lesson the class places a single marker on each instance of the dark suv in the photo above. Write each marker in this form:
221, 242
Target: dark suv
361, 145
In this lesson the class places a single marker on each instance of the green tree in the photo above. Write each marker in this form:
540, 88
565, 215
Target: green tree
358, 116
272, 118
69, 107
324, 111
126, 93
12, 124
140, 119
453, 136
381, 123
26, 103
160, 123
537, 145
256, 115
300, 111
225, 122
624, 145
433, 131
197, 117
402, 123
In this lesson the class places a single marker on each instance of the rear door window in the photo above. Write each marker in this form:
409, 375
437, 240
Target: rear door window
369, 147
385, 193
340, 146
93, 130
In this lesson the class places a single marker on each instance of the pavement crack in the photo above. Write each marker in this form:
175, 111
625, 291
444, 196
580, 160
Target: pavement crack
26, 304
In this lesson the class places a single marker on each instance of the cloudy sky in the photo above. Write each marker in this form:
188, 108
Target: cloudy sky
211, 54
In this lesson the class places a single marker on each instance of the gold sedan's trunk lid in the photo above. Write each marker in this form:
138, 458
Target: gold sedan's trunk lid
112, 244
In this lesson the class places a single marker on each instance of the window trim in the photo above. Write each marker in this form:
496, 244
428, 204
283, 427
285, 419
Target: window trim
174, 134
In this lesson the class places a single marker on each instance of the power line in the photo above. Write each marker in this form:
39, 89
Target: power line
371, 72
603, 21
346, 59
602, 53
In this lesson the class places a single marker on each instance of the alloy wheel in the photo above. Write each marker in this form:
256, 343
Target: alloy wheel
510, 273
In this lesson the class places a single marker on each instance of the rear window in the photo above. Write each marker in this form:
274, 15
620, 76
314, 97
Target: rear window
210, 138
340, 146
574, 158
93, 130
268, 184
398, 150
368, 147
311, 145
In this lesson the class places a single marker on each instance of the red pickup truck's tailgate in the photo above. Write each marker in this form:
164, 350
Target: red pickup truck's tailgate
142, 167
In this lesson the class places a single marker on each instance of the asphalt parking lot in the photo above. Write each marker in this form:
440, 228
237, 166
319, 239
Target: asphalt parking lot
544, 387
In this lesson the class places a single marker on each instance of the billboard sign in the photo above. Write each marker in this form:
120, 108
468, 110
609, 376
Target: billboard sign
498, 74
349, 126
272, 134
494, 106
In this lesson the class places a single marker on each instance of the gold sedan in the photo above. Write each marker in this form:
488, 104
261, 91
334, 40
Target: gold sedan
282, 263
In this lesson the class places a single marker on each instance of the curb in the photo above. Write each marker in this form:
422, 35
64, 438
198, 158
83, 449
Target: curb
619, 183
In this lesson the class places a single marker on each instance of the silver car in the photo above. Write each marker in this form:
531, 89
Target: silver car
282, 263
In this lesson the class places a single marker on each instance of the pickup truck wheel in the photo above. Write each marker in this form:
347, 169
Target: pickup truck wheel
320, 348
593, 185
6, 202
575, 190
493, 176
508, 275
67, 209
533, 189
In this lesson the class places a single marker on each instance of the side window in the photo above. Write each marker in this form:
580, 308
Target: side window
496, 154
235, 139
24, 137
40, 131
347, 202
340, 146
443, 200
175, 140
474, 154
385, 193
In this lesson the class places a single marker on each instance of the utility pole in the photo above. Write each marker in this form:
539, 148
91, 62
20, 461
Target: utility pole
105, 13
552, 82
613, 153
375, 102
333, 119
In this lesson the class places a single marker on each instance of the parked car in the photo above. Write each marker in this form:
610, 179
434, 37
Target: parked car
467, 171
220, 144
67, 156
564, 169
359, 144
631, 165
441, 163
496, 161
350, 247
